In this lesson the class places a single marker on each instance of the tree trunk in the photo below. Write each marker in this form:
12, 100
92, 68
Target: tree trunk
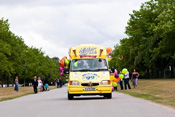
2, 81
13, 81
24, 82
172, 71
3, 76
152, 73
157, 73
148, 72
8, 81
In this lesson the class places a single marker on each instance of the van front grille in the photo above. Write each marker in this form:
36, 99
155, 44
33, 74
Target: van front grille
87, 84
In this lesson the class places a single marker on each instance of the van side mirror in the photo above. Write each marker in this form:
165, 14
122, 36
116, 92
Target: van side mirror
66, 71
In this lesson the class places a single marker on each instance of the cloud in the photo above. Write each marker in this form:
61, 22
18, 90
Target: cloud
57, 25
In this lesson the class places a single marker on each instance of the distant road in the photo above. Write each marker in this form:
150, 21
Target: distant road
54, 103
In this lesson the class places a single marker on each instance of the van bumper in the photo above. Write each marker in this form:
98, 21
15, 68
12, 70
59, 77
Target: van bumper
99, 90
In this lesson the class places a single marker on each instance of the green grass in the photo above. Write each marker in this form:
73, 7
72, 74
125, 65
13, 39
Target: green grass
159, 91
149, 97
10, 98
8, 93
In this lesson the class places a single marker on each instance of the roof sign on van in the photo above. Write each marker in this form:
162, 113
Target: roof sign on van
88, 51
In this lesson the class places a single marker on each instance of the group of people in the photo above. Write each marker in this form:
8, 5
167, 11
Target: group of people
38, 84
41, 85
134, 80
58, 83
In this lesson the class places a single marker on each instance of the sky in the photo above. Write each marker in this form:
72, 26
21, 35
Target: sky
57, 25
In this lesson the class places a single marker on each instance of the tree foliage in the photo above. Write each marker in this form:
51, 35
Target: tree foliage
17, 59
150, 42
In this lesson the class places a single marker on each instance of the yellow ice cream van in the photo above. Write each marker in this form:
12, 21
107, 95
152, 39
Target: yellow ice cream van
89, 73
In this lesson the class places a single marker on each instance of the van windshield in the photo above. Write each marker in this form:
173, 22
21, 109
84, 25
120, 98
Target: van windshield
89, 65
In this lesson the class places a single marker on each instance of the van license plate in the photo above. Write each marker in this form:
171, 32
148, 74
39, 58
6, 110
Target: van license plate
89, 89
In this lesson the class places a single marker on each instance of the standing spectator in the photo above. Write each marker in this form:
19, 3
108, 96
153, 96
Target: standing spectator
60, 82
39, 84
56, 80
126, 81
134, 78
35, 84
121, 82
16, 83
43, 89
43, 85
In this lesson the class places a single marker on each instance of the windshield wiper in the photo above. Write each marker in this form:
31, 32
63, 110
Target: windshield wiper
85, 70
100, 70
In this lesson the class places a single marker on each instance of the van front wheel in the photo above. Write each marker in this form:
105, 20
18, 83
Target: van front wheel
108, 96
70, 96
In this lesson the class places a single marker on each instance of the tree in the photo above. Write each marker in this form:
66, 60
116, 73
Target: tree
166, 30
149, 46
19, 59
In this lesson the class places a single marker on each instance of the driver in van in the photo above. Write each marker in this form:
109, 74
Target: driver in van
100, 64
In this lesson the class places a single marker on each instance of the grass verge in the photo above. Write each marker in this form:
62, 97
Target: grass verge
8, 93
159, 91
10, 98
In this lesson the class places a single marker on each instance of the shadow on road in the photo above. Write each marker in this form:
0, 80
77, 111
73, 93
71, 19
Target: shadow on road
84, 98
88, 98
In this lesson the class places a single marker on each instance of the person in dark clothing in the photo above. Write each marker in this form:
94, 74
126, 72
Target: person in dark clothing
60, 82
126, 81
134, 78
43, 85
121, 82
35, 84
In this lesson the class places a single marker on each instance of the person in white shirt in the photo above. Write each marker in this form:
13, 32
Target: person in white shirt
126, 80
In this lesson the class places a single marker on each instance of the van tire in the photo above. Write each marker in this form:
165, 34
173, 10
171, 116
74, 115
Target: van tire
70, 96
108, 96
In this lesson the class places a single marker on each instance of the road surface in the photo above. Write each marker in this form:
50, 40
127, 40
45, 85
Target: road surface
54, 103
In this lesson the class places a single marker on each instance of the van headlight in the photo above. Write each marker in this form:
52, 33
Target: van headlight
105, 82
74, 83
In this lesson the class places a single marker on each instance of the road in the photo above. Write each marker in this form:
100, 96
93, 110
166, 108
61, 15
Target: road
54, 103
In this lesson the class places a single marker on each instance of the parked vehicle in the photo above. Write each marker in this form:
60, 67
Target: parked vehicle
89, 72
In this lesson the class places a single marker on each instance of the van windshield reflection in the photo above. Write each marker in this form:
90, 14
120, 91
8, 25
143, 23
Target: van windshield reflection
89, 65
